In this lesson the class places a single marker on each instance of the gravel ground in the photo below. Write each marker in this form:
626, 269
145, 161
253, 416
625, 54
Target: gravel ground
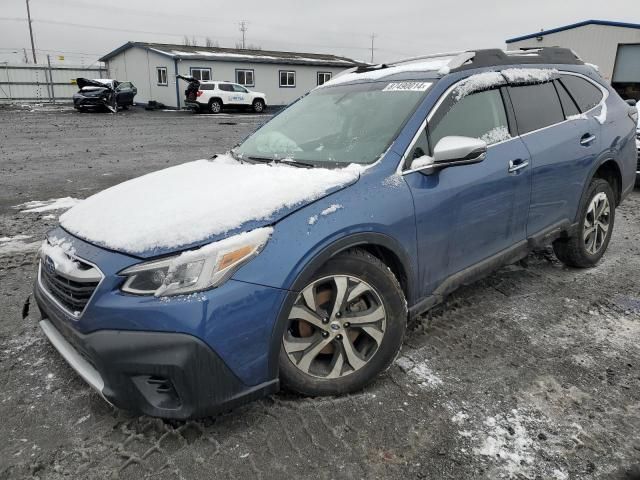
532, 373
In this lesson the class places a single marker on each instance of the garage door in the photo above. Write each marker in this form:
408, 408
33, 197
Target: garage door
627, 68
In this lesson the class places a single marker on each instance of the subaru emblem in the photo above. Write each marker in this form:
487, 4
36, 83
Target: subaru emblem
49, 265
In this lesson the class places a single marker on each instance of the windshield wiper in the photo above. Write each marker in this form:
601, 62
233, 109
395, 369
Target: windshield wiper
287, 161
297, 163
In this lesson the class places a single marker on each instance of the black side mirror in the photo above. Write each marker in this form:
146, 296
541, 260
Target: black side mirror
631, 102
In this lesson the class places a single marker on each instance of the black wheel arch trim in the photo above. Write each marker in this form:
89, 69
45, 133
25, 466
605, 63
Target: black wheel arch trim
592, 173
303, 277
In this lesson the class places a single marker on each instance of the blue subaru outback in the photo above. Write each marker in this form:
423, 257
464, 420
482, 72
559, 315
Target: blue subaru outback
297, 258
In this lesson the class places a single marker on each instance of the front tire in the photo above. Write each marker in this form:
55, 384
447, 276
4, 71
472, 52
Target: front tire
587, 246
258, 106
345, 327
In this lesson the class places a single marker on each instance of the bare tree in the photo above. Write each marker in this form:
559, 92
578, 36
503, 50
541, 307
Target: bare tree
251, 46
211, 43
186, 41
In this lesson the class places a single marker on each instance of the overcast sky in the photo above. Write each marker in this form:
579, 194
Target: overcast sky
83, 30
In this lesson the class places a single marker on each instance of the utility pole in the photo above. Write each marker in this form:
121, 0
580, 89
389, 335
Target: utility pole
33, 46
373, 36
243, 29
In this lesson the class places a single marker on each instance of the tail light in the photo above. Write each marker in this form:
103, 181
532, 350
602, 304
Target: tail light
198, 93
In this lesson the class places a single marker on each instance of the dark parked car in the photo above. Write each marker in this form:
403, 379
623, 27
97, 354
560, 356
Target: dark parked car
103, 93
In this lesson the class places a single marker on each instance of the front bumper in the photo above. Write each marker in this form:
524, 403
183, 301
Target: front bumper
162, 374
82, 101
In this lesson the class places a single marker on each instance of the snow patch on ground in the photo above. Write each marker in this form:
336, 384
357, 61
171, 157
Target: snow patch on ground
15, 238
191, 202
529, 75
505, 440
313, 220
17, 244
477, 82
419, 372
37, 206
498, 134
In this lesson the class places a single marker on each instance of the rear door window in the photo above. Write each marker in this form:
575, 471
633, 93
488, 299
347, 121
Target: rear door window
585, 93
225, 87
568, 105
536, 106
206, 86
481, 115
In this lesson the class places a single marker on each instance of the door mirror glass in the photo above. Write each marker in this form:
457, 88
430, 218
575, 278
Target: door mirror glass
459, 150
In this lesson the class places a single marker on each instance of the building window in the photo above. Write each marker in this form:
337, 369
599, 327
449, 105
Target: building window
287, 78
202, 74
323, 77
161, 74
245, 77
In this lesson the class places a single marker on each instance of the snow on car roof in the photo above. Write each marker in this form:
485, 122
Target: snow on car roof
192, 202
381, 72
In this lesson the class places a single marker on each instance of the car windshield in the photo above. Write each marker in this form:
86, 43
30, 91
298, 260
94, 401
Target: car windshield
337, 125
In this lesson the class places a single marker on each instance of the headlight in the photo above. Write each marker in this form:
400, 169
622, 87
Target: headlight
195, 270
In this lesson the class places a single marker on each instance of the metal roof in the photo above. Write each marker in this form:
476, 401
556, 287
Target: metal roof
184, 52
574, 25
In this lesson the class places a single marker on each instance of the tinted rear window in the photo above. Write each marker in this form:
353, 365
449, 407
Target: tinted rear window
206, 86
225, 87
536, 106
585, 93
568, 105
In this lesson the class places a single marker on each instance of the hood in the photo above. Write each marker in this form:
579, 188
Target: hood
102, 83
197, 203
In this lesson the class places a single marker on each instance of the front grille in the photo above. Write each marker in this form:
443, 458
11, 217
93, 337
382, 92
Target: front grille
73, 295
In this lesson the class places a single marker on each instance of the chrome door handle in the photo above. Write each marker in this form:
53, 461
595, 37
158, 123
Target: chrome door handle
515, 165
587, 139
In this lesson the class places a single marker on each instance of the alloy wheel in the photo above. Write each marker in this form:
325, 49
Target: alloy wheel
596, 223
335, 327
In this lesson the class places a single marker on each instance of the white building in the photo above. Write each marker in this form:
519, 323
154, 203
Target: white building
613, 46
282, 76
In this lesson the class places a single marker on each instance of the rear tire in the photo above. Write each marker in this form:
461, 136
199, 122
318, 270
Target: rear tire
215, 106
587, 245
345, 327
258, 106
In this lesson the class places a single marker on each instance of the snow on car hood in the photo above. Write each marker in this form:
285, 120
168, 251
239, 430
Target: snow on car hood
198, 202
98, 82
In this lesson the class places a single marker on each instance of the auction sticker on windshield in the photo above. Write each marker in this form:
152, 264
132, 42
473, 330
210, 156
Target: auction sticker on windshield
407, 87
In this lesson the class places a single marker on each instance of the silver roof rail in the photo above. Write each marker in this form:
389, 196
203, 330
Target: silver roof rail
425, 57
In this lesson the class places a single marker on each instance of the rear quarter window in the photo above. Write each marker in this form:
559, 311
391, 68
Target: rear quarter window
536, 106
206, 86
568, 105
585, 93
